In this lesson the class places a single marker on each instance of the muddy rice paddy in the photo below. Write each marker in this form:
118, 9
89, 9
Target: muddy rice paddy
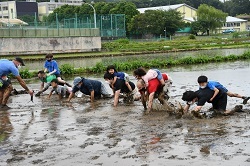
53, 132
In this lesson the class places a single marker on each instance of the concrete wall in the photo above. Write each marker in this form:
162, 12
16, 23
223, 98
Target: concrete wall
18, 46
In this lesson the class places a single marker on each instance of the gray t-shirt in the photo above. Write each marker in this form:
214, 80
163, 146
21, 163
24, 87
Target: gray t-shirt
62, 90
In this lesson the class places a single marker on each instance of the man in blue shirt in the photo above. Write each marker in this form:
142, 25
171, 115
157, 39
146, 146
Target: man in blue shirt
10, 67
93, 88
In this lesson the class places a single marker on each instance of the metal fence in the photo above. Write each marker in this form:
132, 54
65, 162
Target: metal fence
111, 25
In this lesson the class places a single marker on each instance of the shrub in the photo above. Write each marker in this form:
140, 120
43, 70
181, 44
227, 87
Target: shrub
236, 35
123, 41
25, 74
67, 69
192, 37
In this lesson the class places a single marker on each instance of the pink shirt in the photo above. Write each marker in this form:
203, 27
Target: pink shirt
151, 74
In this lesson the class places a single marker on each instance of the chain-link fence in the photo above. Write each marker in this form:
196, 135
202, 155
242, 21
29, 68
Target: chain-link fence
111, 25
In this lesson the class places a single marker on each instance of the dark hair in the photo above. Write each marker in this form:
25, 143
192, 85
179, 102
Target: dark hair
202, 79
108, 76
111, 67
188, 96
49, 55
41, 72
55, 80
140, 72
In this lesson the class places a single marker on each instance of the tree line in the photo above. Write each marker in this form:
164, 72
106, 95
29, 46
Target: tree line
148, 24
232, 7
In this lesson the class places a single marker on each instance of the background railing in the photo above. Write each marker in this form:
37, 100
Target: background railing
111, 25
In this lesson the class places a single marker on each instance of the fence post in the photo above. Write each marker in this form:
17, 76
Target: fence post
57, 25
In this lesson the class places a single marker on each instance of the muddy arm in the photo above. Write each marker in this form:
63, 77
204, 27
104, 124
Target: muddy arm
143, 99
150, 100
186, 108
23, 84
71, 96
92, 96
116, 97
45, 87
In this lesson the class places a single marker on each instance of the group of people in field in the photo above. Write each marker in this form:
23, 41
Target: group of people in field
150, 84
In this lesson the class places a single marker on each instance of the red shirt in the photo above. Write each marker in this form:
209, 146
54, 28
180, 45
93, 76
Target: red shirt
154, 84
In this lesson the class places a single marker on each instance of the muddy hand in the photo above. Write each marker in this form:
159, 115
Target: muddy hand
31, 96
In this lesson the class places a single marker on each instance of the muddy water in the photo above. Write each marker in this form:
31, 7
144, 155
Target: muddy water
53, 132
88, 62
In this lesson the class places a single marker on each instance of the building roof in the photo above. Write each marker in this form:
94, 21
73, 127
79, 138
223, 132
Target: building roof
234, 19
174, 7
189, 19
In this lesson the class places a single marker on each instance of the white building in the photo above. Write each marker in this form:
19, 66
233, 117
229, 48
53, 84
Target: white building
16, 9
45, 8
235, 23
188, 12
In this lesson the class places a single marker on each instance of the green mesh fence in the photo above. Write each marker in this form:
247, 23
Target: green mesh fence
110, 25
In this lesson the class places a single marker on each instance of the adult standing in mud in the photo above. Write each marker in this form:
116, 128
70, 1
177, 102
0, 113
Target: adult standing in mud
93, 88
10, 67
119, 86
202, 96
149, 92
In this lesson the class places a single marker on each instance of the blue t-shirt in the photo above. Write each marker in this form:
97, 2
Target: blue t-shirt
7, 67
51, 66
88, 86
214, 84
119, 75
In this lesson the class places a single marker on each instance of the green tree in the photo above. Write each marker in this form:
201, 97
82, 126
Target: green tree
27, 18
103, 7
65, 11
127, 8
240, 7
156, 22
210, 18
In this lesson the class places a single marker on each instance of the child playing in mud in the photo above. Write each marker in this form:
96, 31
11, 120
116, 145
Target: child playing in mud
141, 73
45, 79
118, 75
216, 86
51, 66
61, 91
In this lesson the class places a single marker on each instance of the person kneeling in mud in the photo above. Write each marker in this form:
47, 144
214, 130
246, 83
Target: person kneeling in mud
95, 89
153, 90
215, 86
119, 86
61, 91
46, 80
201, 96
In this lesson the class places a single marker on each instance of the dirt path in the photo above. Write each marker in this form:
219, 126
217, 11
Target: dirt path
60, 133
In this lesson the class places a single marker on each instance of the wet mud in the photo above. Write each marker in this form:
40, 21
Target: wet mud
54, 132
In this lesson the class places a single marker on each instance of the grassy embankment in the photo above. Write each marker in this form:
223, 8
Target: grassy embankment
126, 47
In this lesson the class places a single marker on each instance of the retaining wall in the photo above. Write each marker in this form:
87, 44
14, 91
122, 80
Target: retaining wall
18, 46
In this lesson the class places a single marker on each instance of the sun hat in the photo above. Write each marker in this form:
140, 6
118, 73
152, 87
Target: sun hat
77, 80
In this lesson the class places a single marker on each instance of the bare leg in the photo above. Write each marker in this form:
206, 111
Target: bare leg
60, 80
6, 94
234, 95
245, 98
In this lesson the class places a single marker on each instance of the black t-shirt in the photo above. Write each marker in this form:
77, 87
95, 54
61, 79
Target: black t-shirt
120, 85
204, 95
88, 86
